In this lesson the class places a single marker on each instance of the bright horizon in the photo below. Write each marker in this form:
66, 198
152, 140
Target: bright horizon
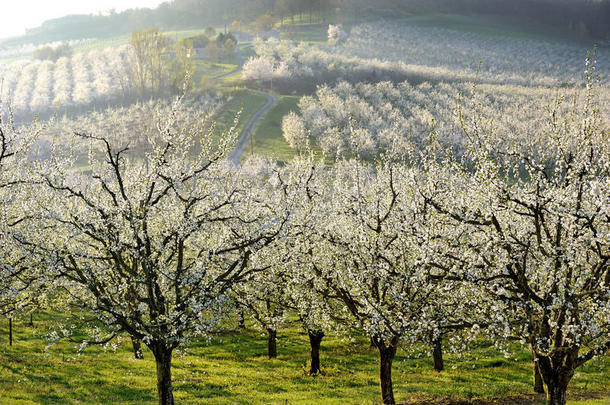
26, 14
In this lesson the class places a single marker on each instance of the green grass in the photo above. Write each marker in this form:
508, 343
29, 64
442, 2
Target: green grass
245, 100
590, 402
232, 368
248, 52
104, 43
268, 138
304, 33
206, 70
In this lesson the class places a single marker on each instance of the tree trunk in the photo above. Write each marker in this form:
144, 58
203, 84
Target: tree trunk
10, 331
556, 381
272, 343
315, 339
556, 394
387, 351
437, 353
241, 319
538, 382
163, 358
137, 348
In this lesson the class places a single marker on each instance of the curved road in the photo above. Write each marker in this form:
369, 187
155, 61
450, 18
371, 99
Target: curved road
246, 134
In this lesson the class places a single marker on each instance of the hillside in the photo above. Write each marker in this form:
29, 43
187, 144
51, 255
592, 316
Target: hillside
580, 18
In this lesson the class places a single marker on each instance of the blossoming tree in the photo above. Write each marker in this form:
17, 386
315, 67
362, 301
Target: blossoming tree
366, 255
17, 278
537, 212
151, 246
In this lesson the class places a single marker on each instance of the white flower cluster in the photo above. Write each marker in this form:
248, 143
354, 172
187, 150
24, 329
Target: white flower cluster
335, 34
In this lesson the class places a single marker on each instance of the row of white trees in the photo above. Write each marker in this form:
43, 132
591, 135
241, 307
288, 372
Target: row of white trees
511, 239
130, 125
373, 53
80, 80
28, 49
17, 287
367, 119
533, 62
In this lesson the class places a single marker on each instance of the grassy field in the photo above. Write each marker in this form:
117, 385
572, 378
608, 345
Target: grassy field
241, 99
232, 368
306, 33
206, 70
268, 139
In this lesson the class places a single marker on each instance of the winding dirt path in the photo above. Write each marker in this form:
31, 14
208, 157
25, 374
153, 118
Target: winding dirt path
246, 134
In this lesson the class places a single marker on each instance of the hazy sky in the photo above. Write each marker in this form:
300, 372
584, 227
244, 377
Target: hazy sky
17, 15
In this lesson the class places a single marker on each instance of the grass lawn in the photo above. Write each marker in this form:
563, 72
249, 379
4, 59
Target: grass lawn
245, 100
233, 80
232, 368
268, 138
206, 70
103, 43
248, 52
305, 33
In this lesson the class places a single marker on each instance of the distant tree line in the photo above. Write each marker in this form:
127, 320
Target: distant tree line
47, 52
158, 65
589, 18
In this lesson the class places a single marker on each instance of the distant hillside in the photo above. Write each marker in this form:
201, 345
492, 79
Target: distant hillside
77, 27
586, 18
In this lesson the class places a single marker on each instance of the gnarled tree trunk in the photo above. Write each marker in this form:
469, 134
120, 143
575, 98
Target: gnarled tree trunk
272, 343
556, 394
163, 358
315, 339
387, 351
556, 374
437, 353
